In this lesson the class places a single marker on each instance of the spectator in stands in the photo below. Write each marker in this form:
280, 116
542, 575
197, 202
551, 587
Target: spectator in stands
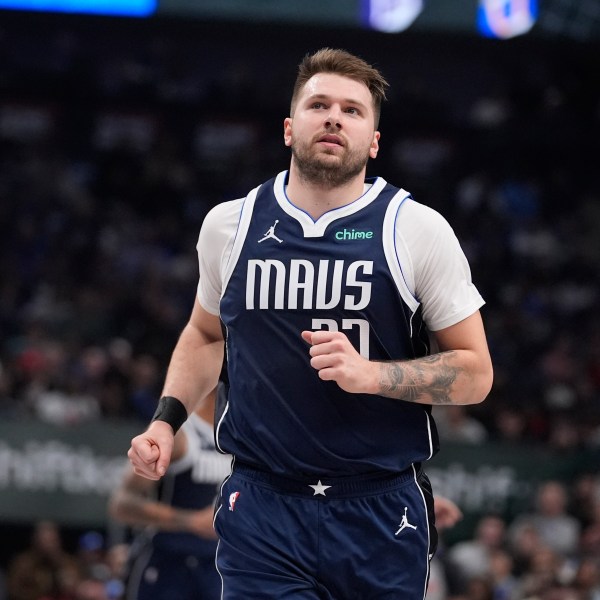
455, 424
504, 582
556, 528
589, 543
587, 578
547, 570
44, 569
472, 558
91, 589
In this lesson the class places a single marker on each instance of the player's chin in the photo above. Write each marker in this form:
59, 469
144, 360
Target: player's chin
333, 151
330, 159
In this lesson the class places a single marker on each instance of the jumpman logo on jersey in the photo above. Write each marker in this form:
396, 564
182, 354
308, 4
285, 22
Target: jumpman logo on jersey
270, 233
404, 523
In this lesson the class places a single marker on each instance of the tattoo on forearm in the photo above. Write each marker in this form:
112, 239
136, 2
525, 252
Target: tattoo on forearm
426, 380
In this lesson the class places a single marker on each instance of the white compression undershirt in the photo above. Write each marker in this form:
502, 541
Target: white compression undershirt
434, 266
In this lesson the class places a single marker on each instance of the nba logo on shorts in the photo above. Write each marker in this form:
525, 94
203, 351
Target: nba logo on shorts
232, 498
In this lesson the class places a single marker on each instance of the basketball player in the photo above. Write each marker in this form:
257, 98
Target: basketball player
173, 552
349, 311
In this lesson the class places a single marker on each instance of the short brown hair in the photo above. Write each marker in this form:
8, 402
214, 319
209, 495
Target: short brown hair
341, 62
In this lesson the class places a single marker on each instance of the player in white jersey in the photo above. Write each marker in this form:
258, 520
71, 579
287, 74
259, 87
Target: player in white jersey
349, 312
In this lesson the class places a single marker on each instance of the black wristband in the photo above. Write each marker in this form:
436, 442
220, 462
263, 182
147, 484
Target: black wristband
171, 411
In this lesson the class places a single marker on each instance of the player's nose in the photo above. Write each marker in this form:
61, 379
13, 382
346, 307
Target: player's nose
333, 117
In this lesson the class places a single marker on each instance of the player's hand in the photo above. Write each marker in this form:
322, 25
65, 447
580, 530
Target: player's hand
150, 452
201, 523
447, 514
336, 359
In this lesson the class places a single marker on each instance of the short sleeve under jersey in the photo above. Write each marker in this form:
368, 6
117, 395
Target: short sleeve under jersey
433, 264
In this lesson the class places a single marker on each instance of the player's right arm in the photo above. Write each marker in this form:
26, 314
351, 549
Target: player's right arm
197, 359
193, 372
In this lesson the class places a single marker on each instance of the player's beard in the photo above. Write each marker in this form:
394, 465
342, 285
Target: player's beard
321, 171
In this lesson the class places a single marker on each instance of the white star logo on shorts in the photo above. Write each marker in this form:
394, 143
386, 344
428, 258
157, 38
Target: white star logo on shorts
319, 488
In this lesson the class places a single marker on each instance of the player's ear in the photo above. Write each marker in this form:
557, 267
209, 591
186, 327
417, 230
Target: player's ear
374, 148
287, 131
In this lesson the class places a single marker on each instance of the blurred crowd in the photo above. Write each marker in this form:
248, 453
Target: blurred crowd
551, 552
49, 570
115, 140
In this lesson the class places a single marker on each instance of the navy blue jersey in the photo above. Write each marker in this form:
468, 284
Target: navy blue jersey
342, 274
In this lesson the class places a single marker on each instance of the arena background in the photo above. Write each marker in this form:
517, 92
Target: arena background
117, 134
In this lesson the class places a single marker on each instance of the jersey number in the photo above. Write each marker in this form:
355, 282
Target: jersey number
347, 324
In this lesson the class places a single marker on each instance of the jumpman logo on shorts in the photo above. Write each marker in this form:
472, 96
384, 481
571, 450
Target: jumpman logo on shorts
270, 233
404, 523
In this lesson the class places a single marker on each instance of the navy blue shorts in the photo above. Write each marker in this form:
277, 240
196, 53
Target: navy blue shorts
342, 539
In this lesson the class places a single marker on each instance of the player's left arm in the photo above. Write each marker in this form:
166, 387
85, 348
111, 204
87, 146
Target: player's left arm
460, 373
460, 370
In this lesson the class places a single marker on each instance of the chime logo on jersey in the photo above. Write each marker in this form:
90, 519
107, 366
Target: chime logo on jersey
302, 284
232, 500
353, 234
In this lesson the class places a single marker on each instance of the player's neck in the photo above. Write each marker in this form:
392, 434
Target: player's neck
316, 199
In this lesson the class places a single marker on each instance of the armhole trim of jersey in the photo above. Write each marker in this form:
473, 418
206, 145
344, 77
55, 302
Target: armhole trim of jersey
218, 428
240, 236
390, 251
429, 436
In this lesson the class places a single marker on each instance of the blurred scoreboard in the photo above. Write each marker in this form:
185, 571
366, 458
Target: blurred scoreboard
501, 19
385, 15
